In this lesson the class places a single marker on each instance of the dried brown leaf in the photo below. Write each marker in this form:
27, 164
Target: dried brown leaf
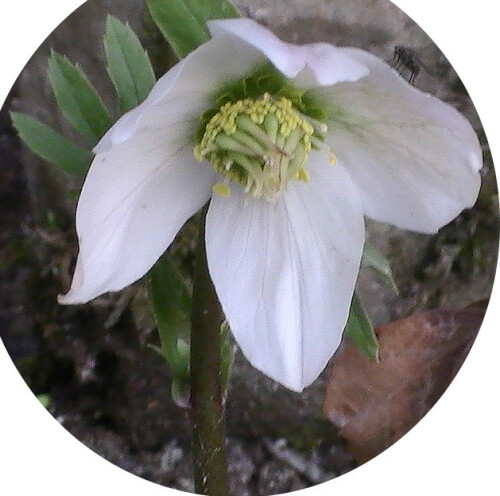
375, 404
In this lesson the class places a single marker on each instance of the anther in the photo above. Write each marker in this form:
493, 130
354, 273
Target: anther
260, 144
222, 190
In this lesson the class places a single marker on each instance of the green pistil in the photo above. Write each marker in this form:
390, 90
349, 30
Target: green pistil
247, 140
230, 144
260, 144
271, 126
298, 159
292, 141
246, 125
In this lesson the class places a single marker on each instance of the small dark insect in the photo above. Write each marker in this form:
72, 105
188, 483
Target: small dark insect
406, 58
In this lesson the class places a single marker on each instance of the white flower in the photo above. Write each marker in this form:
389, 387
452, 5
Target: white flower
284, 239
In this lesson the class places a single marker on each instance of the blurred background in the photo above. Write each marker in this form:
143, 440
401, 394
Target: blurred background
91, 365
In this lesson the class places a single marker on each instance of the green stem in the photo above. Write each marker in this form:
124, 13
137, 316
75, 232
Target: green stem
207, 410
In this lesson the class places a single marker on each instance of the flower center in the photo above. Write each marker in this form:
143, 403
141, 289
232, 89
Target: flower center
260, 144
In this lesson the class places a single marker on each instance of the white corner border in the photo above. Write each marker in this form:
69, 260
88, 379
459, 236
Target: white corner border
453, 450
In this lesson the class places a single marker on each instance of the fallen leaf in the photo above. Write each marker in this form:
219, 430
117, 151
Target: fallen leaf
375, 404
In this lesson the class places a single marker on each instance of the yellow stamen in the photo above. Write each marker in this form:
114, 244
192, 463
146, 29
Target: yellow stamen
333, 157
222, 190
260, 144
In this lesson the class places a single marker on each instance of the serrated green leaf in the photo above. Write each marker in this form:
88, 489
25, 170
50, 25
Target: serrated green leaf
375, 260
183, 22
171, 303
128, 64
77, 99
50, 145
360, 329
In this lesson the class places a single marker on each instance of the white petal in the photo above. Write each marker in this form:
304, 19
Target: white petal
126, 126
316, 64
285, 272
186, 91
414, 158
135, 199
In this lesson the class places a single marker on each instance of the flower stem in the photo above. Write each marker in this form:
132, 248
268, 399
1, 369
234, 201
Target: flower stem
207, 410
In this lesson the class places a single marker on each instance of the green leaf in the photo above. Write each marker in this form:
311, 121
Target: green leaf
373, 259
359, 328
180, 391
50, 145
183, 22
45, 400
77, 99
128, 64
171, 303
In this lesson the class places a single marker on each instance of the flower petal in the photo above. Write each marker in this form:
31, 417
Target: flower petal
135, 199
414, 158
186, 91
285, 272
127, 125
316, 64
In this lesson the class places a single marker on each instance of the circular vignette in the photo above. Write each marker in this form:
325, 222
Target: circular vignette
480, 334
